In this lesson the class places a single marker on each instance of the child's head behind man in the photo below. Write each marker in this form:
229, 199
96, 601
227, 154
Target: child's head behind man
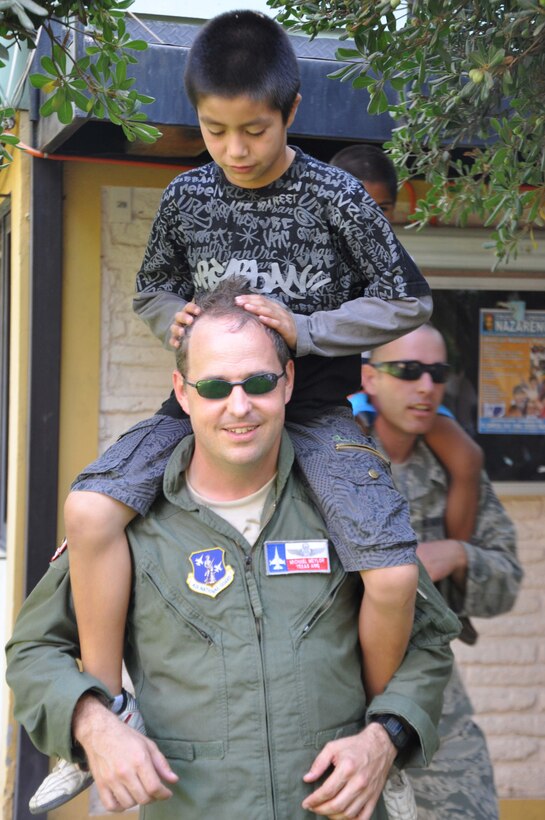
374, 169
243, 79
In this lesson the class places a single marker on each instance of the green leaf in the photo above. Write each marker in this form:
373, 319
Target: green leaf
497, 58
128, 133
80, 100
120, 72
378, 103
39, 80
363, 81
47, 108
65, 112
58, 99
48, 65
98, 110
144, 135
343, 72
136, 45
83, 63
347, 54
10, 139
398, 83
144, 99
59, 55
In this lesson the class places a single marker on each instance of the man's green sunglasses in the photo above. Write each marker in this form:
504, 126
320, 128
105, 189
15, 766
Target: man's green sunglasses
220, 389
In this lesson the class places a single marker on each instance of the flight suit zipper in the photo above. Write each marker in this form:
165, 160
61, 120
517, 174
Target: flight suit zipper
356, 446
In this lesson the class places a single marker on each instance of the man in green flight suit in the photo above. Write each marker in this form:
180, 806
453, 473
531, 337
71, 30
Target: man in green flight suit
242, 635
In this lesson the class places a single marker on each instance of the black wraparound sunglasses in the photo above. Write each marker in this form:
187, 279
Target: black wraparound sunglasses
220, 389
411, 370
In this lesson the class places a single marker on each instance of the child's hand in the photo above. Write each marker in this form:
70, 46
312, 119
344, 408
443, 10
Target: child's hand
272, 314
181, 320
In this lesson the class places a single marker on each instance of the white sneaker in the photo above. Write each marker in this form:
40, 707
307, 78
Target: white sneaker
398, 796
66, 780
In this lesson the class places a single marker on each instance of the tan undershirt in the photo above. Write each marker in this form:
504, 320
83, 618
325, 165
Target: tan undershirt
244, 514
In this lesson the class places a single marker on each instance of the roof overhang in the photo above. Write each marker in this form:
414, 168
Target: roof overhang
330, 109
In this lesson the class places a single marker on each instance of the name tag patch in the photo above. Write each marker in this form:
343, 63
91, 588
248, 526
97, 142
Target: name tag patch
286, 557
210, 573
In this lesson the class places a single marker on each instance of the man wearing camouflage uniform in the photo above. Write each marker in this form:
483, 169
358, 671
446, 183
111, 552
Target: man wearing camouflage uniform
405, 381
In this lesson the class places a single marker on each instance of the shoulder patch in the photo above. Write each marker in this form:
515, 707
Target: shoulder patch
210, 574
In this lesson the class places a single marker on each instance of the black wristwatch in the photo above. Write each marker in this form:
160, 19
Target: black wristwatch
398, 733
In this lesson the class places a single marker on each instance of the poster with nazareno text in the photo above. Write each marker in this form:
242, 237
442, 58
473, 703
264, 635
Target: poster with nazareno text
512, 371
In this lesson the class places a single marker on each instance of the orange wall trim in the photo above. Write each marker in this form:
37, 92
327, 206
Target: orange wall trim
522, 809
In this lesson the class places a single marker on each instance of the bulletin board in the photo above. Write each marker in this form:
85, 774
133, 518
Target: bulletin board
496, 346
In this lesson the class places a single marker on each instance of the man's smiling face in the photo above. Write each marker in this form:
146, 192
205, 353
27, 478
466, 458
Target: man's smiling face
241, 433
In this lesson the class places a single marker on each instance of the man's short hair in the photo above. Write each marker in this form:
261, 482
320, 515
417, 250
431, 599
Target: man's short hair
220, 304
243, 53
368, 163
375, 354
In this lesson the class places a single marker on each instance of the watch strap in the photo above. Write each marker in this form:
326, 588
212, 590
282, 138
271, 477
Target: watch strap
397, 731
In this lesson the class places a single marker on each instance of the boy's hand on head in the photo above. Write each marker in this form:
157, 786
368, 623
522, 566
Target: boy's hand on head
272, 314
181, 320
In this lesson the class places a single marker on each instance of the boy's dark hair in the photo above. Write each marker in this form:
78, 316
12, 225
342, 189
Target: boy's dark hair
220, 304
368, 163
243, 53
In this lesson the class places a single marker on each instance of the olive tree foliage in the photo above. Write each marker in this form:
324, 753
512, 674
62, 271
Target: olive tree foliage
96, 81
469, 105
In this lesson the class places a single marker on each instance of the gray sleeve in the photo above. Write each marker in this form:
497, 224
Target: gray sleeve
494, 572
360, 324
157, 310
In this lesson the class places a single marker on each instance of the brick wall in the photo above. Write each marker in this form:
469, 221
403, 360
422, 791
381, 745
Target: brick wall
135, 370
505, 671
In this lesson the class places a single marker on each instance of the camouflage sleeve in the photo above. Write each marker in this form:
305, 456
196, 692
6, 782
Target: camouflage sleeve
494, 572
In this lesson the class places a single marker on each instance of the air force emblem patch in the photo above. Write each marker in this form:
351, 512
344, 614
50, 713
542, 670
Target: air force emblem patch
210, 573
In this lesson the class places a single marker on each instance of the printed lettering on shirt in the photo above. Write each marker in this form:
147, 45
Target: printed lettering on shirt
313, 239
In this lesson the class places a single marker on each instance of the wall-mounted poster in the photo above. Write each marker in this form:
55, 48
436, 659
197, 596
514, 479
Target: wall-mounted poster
512, 371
